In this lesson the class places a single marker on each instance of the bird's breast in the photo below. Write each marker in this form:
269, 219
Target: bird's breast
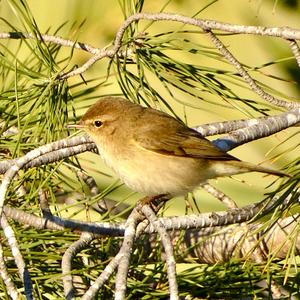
153, 173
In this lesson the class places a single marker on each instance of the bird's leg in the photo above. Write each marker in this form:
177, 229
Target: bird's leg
155, 202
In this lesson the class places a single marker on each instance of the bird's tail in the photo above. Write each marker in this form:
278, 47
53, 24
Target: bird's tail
233, 167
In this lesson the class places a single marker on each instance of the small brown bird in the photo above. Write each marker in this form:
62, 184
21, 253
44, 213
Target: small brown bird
152, 152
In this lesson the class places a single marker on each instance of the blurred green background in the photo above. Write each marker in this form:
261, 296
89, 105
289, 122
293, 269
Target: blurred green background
99, 21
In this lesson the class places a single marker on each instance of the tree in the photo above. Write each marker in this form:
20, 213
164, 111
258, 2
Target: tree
47, 186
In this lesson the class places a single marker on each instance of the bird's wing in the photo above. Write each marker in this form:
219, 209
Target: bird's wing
173, 138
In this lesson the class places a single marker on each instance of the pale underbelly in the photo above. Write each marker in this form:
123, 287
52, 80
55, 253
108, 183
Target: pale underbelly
144, 174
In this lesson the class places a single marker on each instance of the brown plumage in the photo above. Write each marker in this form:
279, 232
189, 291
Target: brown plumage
154, 153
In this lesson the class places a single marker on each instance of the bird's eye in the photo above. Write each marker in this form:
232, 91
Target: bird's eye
97, 123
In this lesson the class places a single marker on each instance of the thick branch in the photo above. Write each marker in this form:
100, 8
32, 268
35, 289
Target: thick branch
262, 129
68, 147
232, 216
281, 121
204, 220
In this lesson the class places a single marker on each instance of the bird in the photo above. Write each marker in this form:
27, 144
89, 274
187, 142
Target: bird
154, 153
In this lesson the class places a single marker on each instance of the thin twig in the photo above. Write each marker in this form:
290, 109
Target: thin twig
219, 195
66, 263
102, 54
90, 182
50, 38
105, 275
44, 205
254, 86
296, 50
168, 247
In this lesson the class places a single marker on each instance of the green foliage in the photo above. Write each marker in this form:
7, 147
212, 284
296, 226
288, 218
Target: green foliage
164, 68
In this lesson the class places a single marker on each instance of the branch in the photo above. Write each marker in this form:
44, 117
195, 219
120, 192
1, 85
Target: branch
50, 38
282, 32
125, 253
233, 216
20, 163
168, 247
256, 88
266, 128
282, 121
66, 263
8, 282
295, 49
22, 269
67, 147
57, 223
219, 195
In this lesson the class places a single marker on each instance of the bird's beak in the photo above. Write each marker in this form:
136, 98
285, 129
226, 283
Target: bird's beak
77, 126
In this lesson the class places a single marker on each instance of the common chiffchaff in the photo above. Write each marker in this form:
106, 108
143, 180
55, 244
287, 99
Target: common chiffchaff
152, 152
